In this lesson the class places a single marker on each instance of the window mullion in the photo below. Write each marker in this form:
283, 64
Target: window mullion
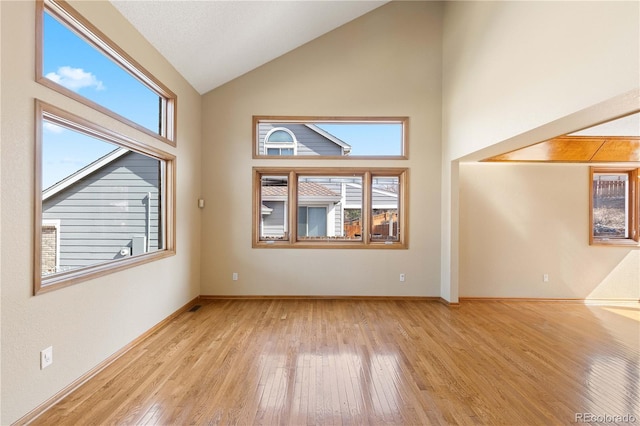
292, 199
366, 207
402, 208
634, 225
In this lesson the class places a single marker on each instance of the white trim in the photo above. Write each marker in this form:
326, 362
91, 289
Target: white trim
85, 171
56, 224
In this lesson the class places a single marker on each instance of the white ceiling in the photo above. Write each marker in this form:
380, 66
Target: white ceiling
211, 42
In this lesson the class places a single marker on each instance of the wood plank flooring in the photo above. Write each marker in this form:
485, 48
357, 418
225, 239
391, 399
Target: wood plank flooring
333, 362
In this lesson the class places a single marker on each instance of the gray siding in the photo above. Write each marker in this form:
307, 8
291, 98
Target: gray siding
309, 142
354, 197
273, 224
102, 212
379, 199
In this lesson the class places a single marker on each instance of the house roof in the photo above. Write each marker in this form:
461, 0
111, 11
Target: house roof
305, 189
345, 146
83, 172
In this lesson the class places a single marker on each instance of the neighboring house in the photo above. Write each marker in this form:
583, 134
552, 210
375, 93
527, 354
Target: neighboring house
317, 215
298, 139
326, 209
107, 210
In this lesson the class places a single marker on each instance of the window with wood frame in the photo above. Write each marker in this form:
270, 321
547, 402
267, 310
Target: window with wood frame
76, 59
614, 206
103, 201
330, 207
341, 138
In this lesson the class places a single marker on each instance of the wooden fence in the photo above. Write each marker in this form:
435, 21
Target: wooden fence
603, 189
380, 226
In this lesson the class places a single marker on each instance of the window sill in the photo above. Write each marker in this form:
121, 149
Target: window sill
331, 245
65, 279
613, 242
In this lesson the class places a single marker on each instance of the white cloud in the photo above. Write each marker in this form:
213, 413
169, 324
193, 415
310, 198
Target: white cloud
75, 78
53, 128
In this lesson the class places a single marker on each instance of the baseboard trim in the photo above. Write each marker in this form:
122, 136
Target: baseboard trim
447, 303
40, 409
318, 297
552, 300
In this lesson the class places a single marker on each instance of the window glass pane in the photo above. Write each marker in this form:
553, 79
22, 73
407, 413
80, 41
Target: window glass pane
280, 136
317, 221
100, 202
610, 205
279, 151
334, 138
72, 62
273, 207
384, 205
330, 208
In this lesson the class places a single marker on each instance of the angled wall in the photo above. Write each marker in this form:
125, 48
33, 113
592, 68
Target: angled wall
87, 322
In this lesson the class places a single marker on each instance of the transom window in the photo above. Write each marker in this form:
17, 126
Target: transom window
76, 59
335, 137
615, 206
330, 207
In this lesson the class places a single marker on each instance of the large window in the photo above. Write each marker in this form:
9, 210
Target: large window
75, 58
103, 201
615, 206
336, 137
330, 207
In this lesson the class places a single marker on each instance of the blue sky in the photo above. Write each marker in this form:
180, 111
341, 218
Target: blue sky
73, 63
368, 138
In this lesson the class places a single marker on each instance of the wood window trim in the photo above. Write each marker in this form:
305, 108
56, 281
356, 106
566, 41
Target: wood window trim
634, 207
61, 117
92, 35
277, 119
292, 173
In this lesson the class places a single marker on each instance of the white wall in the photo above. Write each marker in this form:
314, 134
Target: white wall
513, 70
87, 322
386, 63
520, 221
0, 229
513, 66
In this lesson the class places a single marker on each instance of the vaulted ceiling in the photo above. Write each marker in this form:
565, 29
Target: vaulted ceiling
212, 42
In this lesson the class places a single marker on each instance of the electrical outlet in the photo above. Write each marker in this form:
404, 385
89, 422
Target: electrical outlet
46, 357
234, 276
545, 278
402, 278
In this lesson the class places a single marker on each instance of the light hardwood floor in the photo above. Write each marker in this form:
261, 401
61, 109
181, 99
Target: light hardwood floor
320, 362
